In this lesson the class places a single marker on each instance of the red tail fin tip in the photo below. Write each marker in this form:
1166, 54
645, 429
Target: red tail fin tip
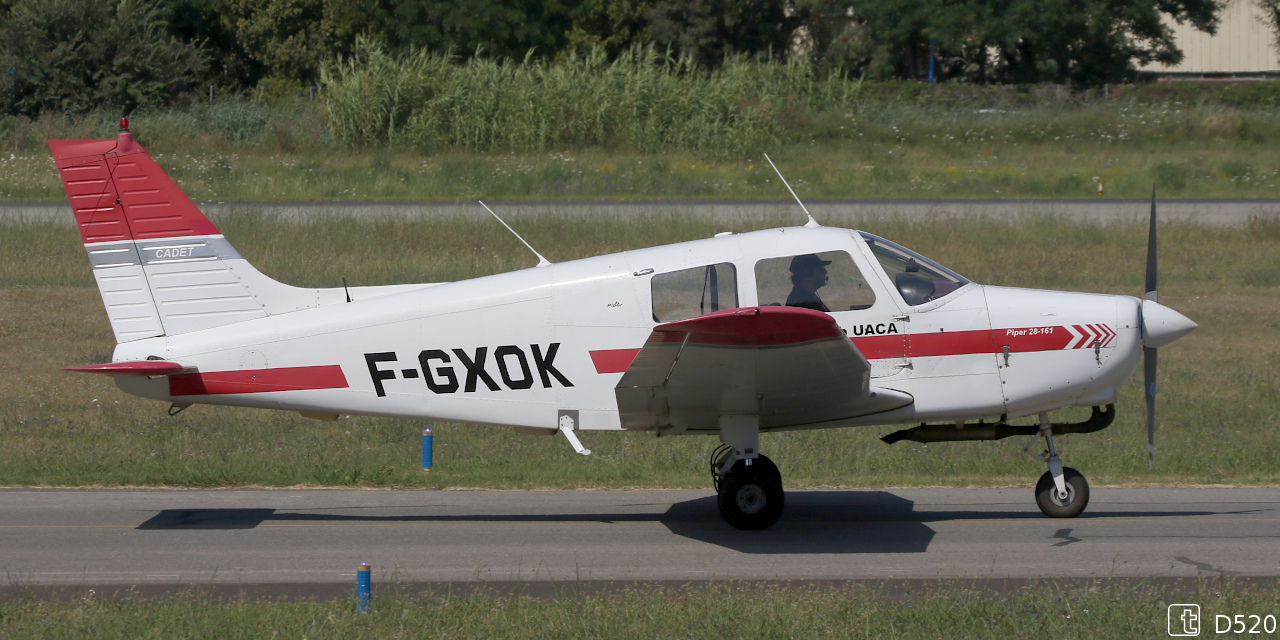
118, 192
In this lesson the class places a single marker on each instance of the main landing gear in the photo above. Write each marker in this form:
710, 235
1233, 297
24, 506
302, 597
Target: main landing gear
1062, 491
748, 484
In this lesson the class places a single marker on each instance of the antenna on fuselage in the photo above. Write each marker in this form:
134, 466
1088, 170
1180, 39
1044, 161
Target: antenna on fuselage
542, 262
811, 223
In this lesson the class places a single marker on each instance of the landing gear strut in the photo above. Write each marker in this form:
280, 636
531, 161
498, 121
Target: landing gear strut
748, 484
1062, 491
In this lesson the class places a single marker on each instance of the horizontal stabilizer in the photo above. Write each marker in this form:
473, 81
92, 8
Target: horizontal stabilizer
135, 368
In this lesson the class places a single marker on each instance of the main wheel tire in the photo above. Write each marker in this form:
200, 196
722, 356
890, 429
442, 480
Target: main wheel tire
761, 467
1077, 494
750, 502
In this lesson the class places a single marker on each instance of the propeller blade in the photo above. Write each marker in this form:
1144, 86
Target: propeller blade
1149, 385
1149, 357
1151, 251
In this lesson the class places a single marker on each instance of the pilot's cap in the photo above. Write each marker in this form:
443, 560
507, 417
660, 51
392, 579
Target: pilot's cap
807, 262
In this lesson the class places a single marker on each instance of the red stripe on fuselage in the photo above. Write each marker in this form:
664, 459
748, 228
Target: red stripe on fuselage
257, 381
882, 347
1031, 338
949, 343
926, 345
916, 345
613, 360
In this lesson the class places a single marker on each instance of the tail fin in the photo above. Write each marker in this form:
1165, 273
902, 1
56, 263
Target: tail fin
161, 266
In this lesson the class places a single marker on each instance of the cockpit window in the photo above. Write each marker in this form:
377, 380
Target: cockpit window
917, 278
687, 293
827, 281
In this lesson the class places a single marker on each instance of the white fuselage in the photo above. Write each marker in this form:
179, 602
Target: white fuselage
559, 338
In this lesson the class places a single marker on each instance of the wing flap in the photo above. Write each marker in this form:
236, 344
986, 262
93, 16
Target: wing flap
788, 365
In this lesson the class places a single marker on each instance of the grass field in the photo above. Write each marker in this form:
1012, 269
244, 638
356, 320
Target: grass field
831, 138
1219, 420
727, 610
818, 170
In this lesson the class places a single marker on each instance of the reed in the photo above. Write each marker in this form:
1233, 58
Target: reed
641, 101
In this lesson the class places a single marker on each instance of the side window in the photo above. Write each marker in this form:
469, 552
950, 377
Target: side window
828, 281
688, 293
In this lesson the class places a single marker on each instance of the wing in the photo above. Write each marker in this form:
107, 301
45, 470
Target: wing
788, 365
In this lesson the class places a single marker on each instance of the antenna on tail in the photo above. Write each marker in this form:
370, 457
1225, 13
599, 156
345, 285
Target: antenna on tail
542, 262
811, 223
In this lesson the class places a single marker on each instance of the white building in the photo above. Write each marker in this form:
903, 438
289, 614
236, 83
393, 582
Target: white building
1243, 48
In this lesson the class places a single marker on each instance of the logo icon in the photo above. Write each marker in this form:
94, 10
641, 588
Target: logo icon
1184, 619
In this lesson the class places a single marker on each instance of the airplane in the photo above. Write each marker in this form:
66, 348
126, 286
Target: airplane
805, 327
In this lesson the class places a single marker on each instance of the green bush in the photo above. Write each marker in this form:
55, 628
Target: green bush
76, 56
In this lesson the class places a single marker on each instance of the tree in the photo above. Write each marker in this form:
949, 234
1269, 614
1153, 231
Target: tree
1271, 17
291, 39
613, 25
1086, 43
499, 28
711, 29
74, 56
202, 21
1081, 42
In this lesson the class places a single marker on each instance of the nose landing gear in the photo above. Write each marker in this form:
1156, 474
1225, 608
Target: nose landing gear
1061, 492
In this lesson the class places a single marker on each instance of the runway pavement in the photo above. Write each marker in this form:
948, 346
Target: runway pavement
1209, 212
255, 537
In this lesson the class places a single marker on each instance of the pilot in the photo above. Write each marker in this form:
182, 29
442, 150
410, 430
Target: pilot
808, 274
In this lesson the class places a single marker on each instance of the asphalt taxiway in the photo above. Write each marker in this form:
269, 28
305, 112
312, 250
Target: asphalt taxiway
228, 537
1205, 212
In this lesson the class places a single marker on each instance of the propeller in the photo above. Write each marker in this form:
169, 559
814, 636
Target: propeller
1149, 357
1160, 326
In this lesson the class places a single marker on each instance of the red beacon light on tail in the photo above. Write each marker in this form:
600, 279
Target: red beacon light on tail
124, 140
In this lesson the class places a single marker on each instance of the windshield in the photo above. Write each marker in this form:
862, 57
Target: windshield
917, 278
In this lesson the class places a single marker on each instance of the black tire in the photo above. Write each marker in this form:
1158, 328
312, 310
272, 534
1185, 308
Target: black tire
750, 502
761, 467
1077, 494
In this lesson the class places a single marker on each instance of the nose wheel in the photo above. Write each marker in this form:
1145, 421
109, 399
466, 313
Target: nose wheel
1053, 504
1061, 492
